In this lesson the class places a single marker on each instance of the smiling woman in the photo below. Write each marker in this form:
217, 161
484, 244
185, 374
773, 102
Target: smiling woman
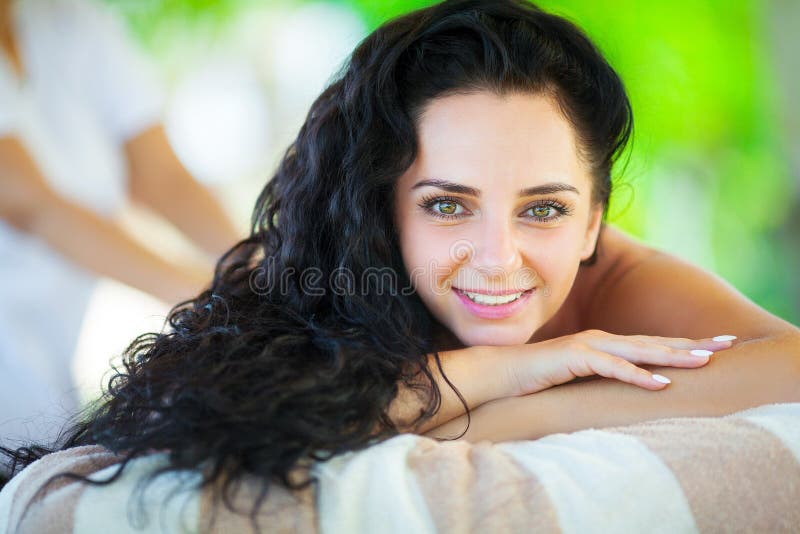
466, 150
524, 214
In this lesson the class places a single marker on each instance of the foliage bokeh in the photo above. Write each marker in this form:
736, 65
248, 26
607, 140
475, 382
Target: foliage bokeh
708, 175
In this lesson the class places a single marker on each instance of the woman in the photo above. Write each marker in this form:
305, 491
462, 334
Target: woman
465, 150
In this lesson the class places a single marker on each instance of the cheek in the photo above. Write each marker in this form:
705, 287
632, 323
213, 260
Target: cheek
424, 248
554, 246
426, 253
554, 255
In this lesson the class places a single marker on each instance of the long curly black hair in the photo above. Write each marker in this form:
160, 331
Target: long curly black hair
260, 372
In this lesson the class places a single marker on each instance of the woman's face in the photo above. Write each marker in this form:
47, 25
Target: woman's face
497, 200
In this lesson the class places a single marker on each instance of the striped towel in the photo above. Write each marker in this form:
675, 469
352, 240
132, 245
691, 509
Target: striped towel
738, 473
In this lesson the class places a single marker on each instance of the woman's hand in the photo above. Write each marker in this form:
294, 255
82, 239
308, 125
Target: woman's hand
486, 373
537, 366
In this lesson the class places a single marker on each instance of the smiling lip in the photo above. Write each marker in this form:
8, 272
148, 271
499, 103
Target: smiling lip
499, 311
493, 293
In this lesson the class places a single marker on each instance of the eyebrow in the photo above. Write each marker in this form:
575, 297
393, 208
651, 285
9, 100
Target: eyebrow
452, 187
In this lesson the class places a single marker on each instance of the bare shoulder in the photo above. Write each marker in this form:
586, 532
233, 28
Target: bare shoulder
617, 253
642, 290
634, 288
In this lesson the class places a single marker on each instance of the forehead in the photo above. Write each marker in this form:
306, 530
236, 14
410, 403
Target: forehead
485, 136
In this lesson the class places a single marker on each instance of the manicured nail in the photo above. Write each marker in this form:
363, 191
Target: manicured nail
662, 379
700, 352
723, 338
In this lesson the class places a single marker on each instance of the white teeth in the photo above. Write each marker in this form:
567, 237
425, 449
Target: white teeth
492, 300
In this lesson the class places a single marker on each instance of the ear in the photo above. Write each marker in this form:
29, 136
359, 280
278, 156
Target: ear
592, 232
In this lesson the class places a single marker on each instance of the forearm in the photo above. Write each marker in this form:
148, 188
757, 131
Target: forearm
30, 205
159, 181
752, 373
196, 213
103, 247
472, 370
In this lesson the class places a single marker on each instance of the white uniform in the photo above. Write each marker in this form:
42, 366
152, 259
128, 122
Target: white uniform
86, 90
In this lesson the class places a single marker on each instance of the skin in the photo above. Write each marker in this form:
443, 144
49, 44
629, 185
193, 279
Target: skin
500, 145
7, 40
157, 181
101, 245
493, 241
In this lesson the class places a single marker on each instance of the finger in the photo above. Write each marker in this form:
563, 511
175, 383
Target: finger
714, 343
724, 341
644, 350
592, 362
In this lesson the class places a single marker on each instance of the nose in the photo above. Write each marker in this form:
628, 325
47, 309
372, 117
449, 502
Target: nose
496, 252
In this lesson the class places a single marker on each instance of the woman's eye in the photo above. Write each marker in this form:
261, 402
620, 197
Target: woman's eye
541, 211
549, 212
448, 207
443, 207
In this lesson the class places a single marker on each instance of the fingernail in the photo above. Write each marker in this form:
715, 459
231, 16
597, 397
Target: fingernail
723, 338
662, 379
701, 352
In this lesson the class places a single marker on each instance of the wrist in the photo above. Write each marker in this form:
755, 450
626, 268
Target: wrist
474, 371
488, 373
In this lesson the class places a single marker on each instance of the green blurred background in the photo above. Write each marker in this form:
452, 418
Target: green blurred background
713, 171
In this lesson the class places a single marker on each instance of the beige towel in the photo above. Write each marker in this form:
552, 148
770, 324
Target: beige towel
739, 473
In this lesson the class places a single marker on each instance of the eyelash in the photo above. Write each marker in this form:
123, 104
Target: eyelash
428, 202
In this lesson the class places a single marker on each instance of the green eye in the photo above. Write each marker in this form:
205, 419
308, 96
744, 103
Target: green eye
443, 207
542, 211
549, 211
447, 207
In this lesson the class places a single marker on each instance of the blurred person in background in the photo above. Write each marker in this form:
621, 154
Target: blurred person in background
80, 136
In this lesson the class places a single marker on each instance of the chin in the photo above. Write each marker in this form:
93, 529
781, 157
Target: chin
493, 338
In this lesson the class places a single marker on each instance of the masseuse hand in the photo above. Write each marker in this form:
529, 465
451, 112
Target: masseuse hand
537, 366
